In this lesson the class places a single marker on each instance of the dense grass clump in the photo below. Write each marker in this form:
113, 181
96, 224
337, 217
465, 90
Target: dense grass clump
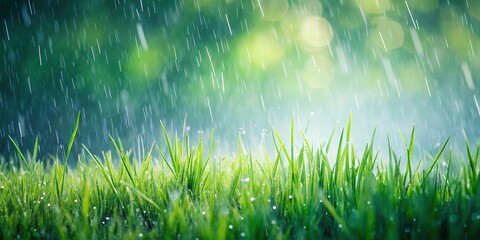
188, 193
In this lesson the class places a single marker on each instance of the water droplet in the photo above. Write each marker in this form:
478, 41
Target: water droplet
340, 226
203, 212
107, 218
94, 208
48, 205
274, 222
242, 234
241, 131
407, 229
368, 202
230, 226
274, 207
312, 113
264, 132
252, 199
140, 235
290, 196
245, 180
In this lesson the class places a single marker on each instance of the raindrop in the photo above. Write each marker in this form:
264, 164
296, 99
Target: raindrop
264, 132
241, 131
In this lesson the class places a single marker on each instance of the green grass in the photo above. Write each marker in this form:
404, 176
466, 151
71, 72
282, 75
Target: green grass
187, 193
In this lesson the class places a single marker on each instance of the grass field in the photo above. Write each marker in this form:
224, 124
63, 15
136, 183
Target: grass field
296, 193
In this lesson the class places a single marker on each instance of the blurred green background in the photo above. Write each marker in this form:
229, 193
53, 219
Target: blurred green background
237, 66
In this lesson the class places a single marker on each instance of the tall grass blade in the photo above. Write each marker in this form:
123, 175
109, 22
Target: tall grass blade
72, 137
19, 152
437, 157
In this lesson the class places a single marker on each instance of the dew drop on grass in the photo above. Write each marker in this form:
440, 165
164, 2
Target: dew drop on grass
245, 180
407, 229
252, 199
290, 196
230, 226
242, 234
140, 235
274, 222
340, 226
203, 212
241, 131
264, 132
274, 207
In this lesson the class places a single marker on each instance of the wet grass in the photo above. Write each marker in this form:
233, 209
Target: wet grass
296, 193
